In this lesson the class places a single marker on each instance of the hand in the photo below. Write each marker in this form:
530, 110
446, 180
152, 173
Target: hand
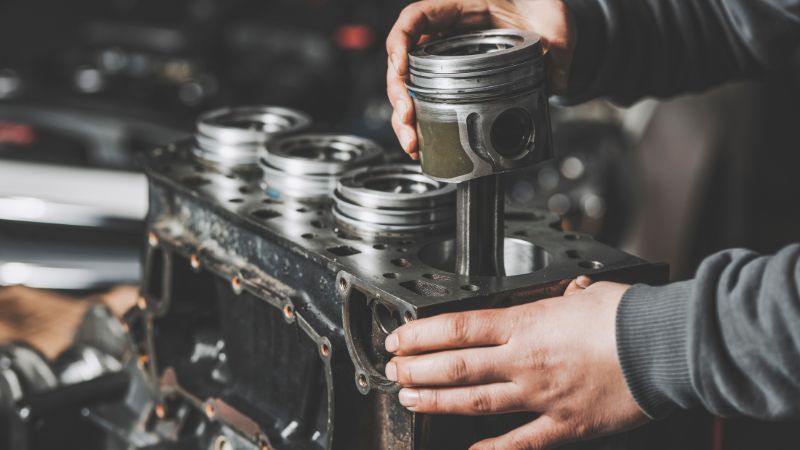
420, 21
556, 357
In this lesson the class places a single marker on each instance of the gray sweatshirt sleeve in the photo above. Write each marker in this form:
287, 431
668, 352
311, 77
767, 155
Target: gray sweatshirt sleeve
728, 341
629, 49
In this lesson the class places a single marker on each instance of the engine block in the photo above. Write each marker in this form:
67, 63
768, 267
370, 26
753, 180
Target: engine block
262, 317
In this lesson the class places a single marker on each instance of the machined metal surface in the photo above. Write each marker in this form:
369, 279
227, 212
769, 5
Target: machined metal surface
393, 200
231, 137
479, 227
284, 314
308, 166
481, 104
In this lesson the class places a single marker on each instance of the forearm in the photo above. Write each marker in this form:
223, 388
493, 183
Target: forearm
628, 49
728, 341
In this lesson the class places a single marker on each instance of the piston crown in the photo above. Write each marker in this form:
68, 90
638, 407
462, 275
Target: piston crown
481, 63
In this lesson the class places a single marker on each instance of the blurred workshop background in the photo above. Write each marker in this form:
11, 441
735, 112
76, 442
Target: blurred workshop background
85, 85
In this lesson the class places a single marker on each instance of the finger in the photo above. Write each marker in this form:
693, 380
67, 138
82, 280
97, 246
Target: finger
451, 368
405, 134
480, 400
398, 95
450, 331
578, 285
543, 433
425, 17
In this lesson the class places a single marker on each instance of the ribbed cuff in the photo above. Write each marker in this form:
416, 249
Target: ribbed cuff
652, 345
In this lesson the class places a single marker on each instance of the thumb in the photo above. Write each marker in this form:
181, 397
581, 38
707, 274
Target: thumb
578, 284
541, 434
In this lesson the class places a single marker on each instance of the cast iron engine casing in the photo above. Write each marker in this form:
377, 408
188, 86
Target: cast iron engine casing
268, 320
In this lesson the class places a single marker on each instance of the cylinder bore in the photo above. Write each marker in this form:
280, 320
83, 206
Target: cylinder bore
231, 137
512, 132
520, 256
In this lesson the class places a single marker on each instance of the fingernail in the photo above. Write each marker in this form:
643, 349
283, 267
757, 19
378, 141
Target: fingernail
415, 156
395, 62
391, 371
405, 139
583, 282
392, 343
409, 397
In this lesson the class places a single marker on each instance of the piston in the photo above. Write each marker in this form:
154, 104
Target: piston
481, 104
393, 200
482, 111
306, 167
231, 137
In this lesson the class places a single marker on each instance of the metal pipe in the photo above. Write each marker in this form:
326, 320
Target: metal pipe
479, 227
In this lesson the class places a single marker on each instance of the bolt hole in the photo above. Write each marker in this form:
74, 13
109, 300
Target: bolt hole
308, 235
342, 284
380, 246
401, 262
391, 275
325, 349
302, 210
317, 224
265, 214
288, 311
194, 261
469, 288
362, 380
236, 284
210, 411
408, 317
594, 265
236, 200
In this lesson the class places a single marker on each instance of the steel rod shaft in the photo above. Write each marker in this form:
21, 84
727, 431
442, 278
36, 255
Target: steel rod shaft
479, 227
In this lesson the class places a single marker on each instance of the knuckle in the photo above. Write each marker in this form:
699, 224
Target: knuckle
480, 402
457, 324
404, 374
429, 399
459, 371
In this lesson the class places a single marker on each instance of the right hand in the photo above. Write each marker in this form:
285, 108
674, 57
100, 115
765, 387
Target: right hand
427, 19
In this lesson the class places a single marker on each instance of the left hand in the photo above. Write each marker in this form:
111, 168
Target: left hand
556, 357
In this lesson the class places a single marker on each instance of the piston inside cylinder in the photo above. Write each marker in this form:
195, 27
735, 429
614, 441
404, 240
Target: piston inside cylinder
306, 167
232, 137
396, 200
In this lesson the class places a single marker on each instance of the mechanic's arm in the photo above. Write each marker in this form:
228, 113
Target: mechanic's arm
627, 49
728, 341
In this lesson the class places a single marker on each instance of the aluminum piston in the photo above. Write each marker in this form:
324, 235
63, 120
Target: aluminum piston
231, 137
306, 167
481, 104
393, 200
